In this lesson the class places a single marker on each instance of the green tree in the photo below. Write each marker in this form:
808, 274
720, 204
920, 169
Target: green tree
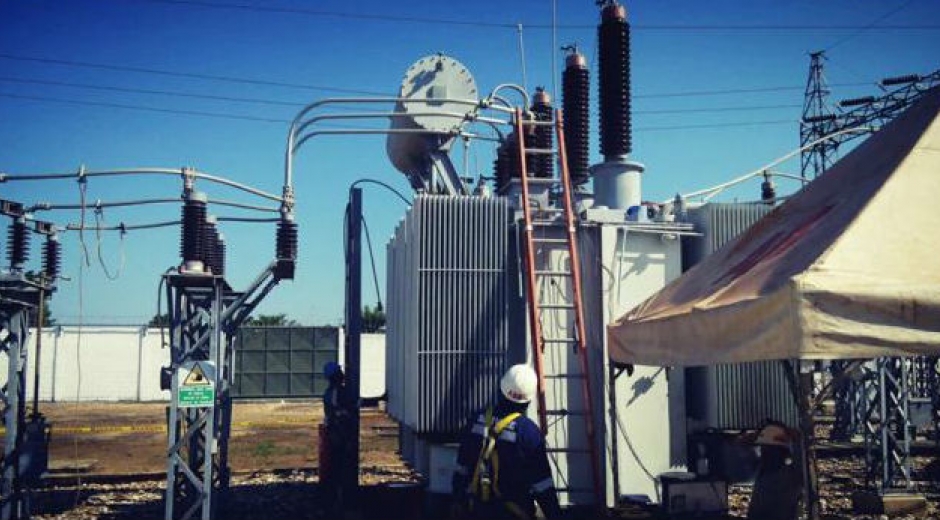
373, 318
159, 320
270, 320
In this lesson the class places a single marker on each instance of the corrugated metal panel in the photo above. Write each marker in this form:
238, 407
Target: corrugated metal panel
283, 361
450, 281
733, 396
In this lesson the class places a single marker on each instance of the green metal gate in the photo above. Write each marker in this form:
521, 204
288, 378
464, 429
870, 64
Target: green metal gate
278, 362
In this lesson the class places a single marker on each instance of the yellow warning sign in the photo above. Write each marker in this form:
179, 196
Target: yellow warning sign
196, 377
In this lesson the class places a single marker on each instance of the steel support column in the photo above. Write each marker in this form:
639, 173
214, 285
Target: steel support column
25, 441
204, 317
888, 426
353, 334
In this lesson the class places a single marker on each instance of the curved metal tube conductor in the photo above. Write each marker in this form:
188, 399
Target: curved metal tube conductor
48, 206
715, 190
359, 131
469, 117
122, 227
155, 225
521, 91
298, 124
184, 172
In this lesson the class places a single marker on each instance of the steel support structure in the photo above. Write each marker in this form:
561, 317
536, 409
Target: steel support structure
866, 114
817, 121
888, 426
350, 476
18, 298
204, 317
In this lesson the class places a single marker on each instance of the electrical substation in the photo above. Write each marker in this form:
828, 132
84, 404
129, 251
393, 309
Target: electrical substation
561, 264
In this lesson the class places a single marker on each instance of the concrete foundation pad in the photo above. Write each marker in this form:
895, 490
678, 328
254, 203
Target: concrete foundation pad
890, 504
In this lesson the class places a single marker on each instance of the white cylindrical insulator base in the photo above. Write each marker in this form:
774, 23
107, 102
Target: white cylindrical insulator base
617, 184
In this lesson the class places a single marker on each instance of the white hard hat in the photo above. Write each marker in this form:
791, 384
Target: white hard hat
519, 383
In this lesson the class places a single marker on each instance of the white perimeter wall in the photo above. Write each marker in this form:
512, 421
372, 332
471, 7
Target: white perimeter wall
122, 363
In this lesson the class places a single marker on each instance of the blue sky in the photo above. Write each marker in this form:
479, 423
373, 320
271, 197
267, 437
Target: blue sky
679, 48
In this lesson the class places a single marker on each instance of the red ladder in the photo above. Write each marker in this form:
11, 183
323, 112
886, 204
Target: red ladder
535, 219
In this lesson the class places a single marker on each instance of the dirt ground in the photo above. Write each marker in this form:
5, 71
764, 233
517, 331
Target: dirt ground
130, 438
107, 462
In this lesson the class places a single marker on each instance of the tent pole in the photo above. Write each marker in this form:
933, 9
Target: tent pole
801, 389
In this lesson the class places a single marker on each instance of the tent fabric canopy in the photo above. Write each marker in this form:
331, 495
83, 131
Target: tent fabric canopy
849, 267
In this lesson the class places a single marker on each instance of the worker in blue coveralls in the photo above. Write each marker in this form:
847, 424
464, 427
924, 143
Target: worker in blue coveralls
338, 463
502, 466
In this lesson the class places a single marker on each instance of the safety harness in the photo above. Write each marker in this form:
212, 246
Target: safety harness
485, 483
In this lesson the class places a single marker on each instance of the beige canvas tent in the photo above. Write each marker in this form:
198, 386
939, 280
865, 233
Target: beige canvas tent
847, 268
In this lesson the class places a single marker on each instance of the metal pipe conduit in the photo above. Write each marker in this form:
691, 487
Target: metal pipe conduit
48, 206
184, 172
297, 124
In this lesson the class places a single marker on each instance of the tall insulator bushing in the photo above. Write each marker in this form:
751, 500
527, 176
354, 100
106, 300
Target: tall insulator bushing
192, 242
210, 244
576, 95
286, 248
613, 36
507, 162
51, 257
286, 239
18, 244
541, 164
220, 255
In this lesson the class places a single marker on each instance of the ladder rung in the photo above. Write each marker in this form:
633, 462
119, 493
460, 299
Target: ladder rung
564, 413
540, 151
567, 450
573, 490
556, 306
536, 122
552, 273
550, 240
564, 376
560, 340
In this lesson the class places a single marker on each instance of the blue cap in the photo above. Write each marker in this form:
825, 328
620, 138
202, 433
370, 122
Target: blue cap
331, 368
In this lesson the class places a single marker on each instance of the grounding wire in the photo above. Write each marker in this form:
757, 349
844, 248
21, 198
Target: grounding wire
375, 276
383, 185
82, 188
99, 220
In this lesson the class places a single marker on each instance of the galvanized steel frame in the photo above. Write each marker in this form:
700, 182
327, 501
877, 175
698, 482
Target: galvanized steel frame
204, 316
18, 298
888, 426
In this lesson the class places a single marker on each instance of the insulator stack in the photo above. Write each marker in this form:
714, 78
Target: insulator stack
194, 226
51, 258
613, 37
286, 239
542, 165
768, 192
507, 162
286, 248
220, 255
18, 244
575, 91
210, 245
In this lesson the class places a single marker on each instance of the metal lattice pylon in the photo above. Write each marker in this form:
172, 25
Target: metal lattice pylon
887, 425
204, 318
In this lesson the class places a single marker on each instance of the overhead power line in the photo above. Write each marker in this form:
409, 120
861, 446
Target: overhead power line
110, 88
297, 104
194, 75
320, 13
200, 113
236, 79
